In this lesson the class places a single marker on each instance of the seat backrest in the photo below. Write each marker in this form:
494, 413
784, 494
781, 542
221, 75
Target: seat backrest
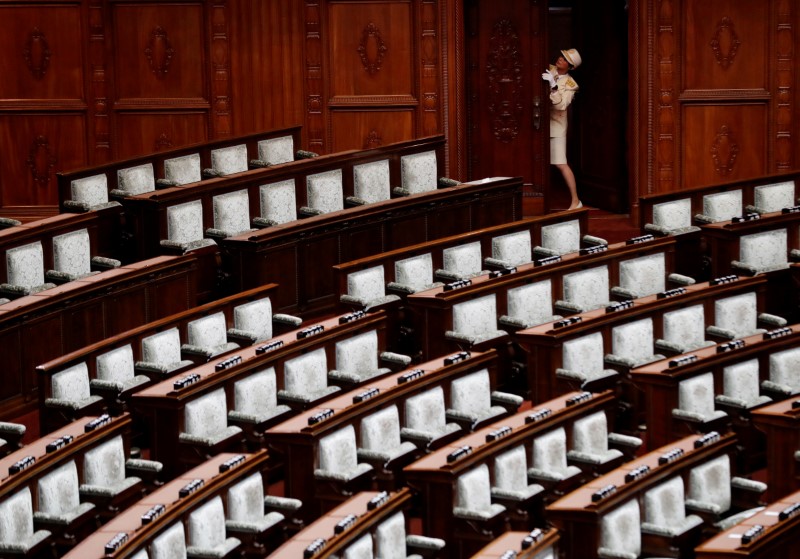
563, 237
633, 340
711, 483
72, 383
92, 191
590, 434
254, 317
104, 465
473, 491
514, 248
415, 272
737, 313
380, 431
229, 160
16, 517
207, 415
246, 499
463, 260
368, 284
136, 180
232, 212
209, 331
25, 265
643, 276
741, 380
276, 150
664, 504
673, 215
471, 393
163, 348
685, 326
764, 250
371, 181
550, 451
784, 368
257, 393
418, 172
588, 288
306, 374
532, 303
183, 170
278, 201
511, 470
359, 549
475, 317
723, 205
584, 354
774, 197
58, 490
336, 452
325, 191
71, 253
390, 537
696, 394
185, 222
620, 529
170, 543
358, 354
207, 525
426, 411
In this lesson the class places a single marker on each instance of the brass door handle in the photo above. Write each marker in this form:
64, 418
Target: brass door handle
537, 113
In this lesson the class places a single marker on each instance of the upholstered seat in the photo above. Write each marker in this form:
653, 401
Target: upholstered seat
357, 359
255, 400
510, 485
227, 161
425, 421
134, 180
461, 262
391, 541
337, 461
549, 460
11, 435
248, 513
185, 227
72, 258
529, 305
205, 422
367, 288
560, 238
510, 250
305, 379
17, 536
274, 151
769, 198
170, 543
254, 322
206, 526
683, 330
413, 274
89, 194
583, 364
231, 215
161, 353
784, 374
665, 523
620, 532
738, 317
418, 173
474, 404
646, 275
70, 390
474, 496
585, 290
359, 549
590, 444
207, 337
672, 218
182, 170
632, 345
475, 321
278, 204
104, 477
324, 192
722, 206
763, 252
58, 502
380, 443
24, 271
696, 403
741, 386
371, 183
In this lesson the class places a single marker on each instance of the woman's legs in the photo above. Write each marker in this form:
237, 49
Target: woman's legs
569, 178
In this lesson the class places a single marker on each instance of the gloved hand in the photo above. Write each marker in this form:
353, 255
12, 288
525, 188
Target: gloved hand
548, 77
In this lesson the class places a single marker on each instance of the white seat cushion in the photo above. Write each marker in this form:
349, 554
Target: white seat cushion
25, 265
674, 215
643, 276
170, 543
325, 191
229, 160
71, 253
685, 327
723, 206
183, 170
254, 317
784, 368
463, 260
116, 365
765, 251
696, 395
737, 314
711, 483
92, 191
620, 530
418, 172
588, 289
415, 272
371, 181
367, 285
206, 416
584, 355
232, 212
185, 222
276, 150
163, 348
278, 203
257, 393
774, 197
358, 354
532, 303
207, 332
633, 340
72, 383
136, 180
514, 248
476, 317
306, 374
563, 238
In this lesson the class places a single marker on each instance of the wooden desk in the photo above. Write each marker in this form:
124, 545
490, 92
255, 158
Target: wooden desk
513, 541
781, 424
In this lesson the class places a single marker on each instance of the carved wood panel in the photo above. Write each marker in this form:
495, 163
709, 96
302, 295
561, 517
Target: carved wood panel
138, 133
364, 129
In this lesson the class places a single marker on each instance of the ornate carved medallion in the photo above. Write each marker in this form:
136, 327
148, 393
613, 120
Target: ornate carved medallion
41, 161
504, 73
724, 151
725, 43
373, 140
159, 52
163, 142
371, 33
37, 53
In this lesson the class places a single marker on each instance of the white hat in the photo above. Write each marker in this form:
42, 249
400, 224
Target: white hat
572, 57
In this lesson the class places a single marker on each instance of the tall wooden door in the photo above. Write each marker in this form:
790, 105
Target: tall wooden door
507, 102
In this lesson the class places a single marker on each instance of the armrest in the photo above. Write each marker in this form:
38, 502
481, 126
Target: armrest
625, 443
496, 263
746, 268
570, 375
261, 222
397, 359
545, 252
656, 229
305, 154
776, 391
282, 504
772, 320
464, 419
748, 486
668, 347
446, 275
196, 351
102, 263
108, 389
143, 468
79, 405
591, 240
259, 164
618, 362
511, 402
717, 332
623, 293
211, 173
165, 183
160, 371
355, 201
567, 307
424, 546
73, 206
794, 255
736, 403
680, 279
470, 514
241, 337
607, 379
606, 553
445, 182
692, 417
401, 288
401, 192
702, 218
309, 212
343, 377
118, 193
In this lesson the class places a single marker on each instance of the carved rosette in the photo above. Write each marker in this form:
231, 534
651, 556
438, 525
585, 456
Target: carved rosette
41, 161
724, 151
162, 142
373, 140
159, 52
371, 34
37, 53
504, 73
725, 43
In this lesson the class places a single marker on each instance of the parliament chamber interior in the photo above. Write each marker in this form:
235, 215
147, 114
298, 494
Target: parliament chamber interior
297, 279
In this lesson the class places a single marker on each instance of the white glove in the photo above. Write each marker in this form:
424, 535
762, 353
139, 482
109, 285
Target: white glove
548, 77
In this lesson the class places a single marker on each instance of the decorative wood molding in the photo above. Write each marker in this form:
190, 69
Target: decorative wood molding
373, 140
724, 151
371, 33
222, 121
427, 52
162, 142
725, 37
784, 80
100, 126
37, 53
703, 95
504, 72
314, 106
666, 109
41, 161
159, 52
369, 100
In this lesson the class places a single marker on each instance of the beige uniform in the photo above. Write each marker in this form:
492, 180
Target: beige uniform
560, 99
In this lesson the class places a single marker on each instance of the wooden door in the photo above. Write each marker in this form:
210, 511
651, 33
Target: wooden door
507, 102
